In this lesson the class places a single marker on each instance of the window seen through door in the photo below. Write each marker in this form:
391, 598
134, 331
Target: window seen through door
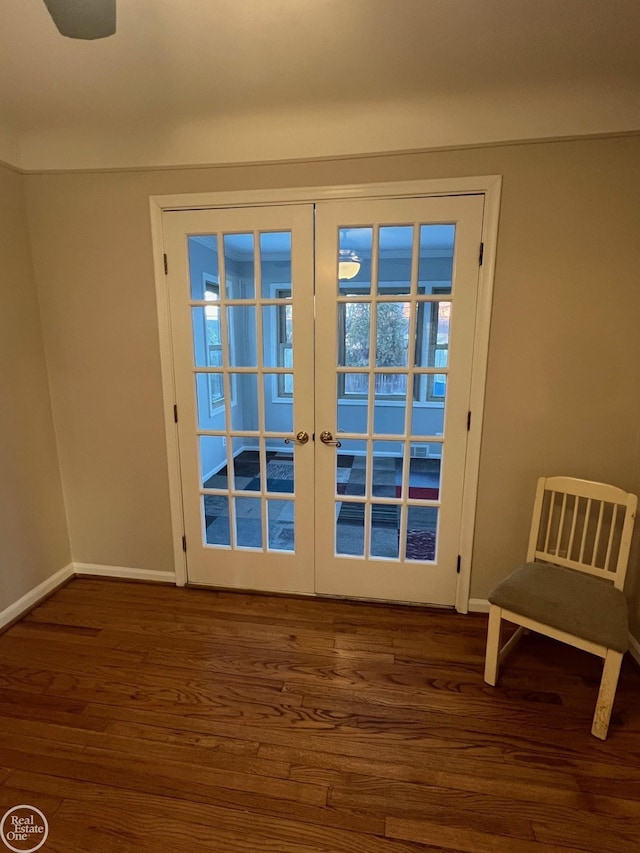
214, 344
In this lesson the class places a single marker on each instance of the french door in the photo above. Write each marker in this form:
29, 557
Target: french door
238, 281
322, 368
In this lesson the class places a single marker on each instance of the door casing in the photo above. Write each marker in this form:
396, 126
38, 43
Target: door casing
488, 185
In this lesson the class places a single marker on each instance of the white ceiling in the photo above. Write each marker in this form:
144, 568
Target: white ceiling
202, 81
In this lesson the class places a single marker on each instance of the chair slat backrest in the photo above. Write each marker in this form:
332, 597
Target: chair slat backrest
583, 525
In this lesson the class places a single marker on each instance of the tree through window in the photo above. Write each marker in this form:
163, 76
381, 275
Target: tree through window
392, 342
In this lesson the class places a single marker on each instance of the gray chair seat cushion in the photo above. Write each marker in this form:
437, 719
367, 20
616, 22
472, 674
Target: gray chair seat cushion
570, 601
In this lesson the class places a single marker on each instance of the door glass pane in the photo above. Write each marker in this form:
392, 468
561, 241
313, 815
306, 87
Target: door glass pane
207, 335
215, 509
244, 414
280, 467
281, 516
278, 410
241, 320
436, 255
354, 260
438, 386
277, 335
275, 262
389, 407
213, 462
248, 522
354, 326
428, 418
285, 387
354, 385
394, 260
352, 402
422, 525
239, 266
350, 528
392, 333
210, 400
432, 338
432, 350
203, 263
387, 469
385, 531
246, 464
351, 468
390, 386
424, 474
241, 462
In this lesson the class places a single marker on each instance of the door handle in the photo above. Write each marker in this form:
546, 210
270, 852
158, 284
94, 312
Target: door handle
302, 437
327, 438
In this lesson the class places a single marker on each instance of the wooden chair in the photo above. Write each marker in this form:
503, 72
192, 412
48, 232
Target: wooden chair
571, 586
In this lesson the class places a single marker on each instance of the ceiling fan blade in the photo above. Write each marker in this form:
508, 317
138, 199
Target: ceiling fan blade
83, 19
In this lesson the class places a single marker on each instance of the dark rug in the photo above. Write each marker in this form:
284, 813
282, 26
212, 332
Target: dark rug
421, 545
421, 538
382, 515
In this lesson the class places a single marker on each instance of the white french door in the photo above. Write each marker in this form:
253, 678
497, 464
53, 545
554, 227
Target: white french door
238, 280
322, 367
394, 392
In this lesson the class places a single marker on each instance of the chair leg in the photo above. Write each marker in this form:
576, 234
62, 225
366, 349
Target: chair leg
492, 657
511, 643
606, 695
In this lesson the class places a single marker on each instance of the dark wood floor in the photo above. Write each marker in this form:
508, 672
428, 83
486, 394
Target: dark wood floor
141, 717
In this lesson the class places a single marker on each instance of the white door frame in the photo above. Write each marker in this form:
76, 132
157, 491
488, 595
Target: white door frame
488, 185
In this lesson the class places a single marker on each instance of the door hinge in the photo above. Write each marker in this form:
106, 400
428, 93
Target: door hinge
184, 543
458, 564
166, 265
175, 413
468, 421
480, 255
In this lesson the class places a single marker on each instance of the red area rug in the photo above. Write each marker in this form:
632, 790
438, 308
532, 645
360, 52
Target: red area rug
419, 493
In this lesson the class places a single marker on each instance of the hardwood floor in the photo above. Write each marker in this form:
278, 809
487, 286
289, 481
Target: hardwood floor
141, 717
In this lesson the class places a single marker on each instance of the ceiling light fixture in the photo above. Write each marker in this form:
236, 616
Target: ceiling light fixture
348, 264
83, 19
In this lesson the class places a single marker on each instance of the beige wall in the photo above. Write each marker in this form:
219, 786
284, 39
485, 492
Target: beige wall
562, 390
33, 530
633, 584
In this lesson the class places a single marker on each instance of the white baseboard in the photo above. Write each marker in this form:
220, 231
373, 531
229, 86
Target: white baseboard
23, 605
19, 608
478, 605
215, 470
124, 572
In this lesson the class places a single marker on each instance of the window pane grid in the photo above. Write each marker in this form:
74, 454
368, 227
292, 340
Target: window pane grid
373, 524
255, 511
392, 358
266, 434
255, 300
415, 439
262, 371
359, 499
387, 297
285, 343
401, 371
413, 336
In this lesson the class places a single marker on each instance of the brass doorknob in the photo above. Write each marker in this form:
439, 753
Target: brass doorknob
327, 438
302, 437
